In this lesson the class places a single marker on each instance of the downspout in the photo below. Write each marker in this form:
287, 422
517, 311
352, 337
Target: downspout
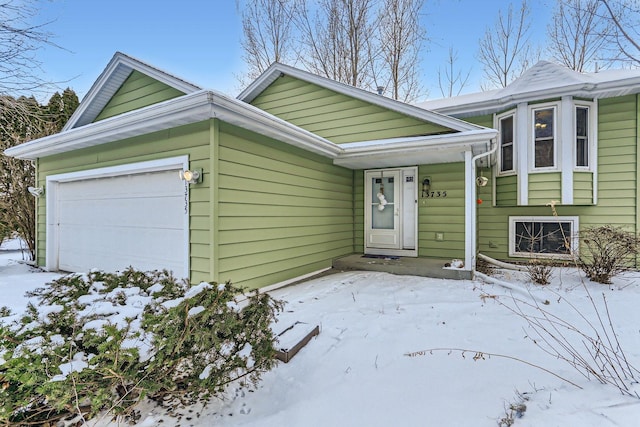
473, 235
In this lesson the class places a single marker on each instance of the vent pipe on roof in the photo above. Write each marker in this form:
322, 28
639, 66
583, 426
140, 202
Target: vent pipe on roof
380, 90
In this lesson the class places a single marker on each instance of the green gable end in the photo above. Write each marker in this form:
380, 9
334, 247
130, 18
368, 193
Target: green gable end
335, 116
137, 91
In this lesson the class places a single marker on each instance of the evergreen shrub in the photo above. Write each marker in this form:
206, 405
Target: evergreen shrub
103, 342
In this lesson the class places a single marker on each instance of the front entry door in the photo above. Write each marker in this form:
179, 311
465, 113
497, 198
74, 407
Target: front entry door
390, 211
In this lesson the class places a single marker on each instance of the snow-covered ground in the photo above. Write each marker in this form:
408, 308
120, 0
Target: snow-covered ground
371, 365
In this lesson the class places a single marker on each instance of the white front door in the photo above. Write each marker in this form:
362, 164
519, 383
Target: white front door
391, 211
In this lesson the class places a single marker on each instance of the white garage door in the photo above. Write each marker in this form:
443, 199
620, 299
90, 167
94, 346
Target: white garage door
111, 223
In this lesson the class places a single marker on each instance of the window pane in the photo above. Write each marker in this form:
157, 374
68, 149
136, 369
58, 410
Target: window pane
506, 130
507, 158
544, 153
506, 144
544, 123
544, 143
543, 237
582, 121
582, 152
582, 140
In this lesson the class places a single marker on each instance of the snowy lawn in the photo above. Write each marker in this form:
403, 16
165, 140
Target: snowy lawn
356, 372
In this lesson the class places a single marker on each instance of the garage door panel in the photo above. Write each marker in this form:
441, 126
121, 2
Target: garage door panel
112, 223
151, 212
150, 250
136, 185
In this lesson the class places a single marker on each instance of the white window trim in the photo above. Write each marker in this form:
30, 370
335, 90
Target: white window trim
497, 119
575, 224
53, 181
531, 136
591, 135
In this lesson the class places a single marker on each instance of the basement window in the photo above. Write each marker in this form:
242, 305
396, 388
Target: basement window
543, 237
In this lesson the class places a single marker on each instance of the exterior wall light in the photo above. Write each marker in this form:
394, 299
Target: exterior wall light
482, 181
193, 176
36, 191
426, 186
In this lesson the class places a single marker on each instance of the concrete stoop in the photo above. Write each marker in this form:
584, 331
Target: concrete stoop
426, 267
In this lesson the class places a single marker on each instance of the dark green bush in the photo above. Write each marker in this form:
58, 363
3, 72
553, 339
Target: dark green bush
123, 337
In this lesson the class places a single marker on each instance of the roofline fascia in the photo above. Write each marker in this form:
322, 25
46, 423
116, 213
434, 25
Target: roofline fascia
187, 109
594, 90
442, 141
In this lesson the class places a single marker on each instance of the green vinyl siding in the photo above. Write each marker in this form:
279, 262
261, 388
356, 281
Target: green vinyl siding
442, 214
582, 188
282, 211
544, 187
137, 91
486, 120
335, 116
506, 190
191, 140
617, 183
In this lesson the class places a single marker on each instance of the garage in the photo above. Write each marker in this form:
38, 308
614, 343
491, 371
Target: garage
110, 219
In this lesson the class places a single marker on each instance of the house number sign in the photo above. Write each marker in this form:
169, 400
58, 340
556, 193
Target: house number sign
434, 194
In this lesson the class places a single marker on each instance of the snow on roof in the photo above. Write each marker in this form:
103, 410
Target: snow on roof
544, 80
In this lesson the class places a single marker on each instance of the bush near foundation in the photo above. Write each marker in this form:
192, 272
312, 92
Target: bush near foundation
607, 251
103, 342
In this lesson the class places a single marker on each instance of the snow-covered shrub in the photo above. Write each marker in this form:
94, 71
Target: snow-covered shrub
539, 271
606, 252
105, 341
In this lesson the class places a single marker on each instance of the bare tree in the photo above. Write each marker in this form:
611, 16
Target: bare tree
624, 19
451, 80
267, 27
577, 34
20, 41
337, 40
504, 50
400, 39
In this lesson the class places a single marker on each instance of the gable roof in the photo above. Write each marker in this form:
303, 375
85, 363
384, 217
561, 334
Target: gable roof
277, 69
542, 81
110, 80
198, 105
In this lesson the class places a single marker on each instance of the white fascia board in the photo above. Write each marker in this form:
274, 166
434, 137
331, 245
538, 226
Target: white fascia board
110, 80
441, 141
186, 109
276, 69
182, 110
413, 151
585, 90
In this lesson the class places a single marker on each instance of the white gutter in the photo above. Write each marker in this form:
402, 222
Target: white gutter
472, 210
587, 89
192, 108
419, 142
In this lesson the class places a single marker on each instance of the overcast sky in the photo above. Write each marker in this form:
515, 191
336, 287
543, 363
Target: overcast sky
199, 40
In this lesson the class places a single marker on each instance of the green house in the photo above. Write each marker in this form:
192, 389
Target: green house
155, 172
566, 158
